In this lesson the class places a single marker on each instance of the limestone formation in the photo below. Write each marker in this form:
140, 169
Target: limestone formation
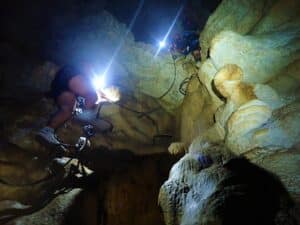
228, 82
250, 71
243, 122
253, 59
255, 53
54, 213
243, 95
254, 17
286, 83
284, 163
177, 147
281, 15
138, 122
230, 191
28, 182
112, 46
206, 74
282, 130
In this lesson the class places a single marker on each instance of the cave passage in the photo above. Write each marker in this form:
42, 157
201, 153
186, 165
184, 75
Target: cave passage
149, 112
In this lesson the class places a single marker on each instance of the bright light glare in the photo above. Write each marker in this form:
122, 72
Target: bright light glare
169, 30
109, 94
98, 82
119, 46
162, 44
112, 94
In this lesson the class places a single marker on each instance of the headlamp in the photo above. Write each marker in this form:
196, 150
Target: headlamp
98, 82
162, 44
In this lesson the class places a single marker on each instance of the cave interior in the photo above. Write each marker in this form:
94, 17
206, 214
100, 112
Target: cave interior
202, 101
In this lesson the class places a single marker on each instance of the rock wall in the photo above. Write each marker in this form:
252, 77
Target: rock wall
245, 95
143, 80
149, 84
250, 54
28, 181
212, 186
108, 43
250, 76
123, 190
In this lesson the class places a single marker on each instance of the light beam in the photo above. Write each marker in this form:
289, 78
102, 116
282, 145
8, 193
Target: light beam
132, 22
170, 29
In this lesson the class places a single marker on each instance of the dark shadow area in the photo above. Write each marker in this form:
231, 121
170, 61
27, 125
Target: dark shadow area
41, 27
122, 190
250, 195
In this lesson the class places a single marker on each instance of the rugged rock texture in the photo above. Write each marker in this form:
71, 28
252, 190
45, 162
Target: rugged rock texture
133, 130
27, 182
55, 213
147, 84
250, 74
253, 51
122, 185
244, 94
252, 59
228, 190
284, 163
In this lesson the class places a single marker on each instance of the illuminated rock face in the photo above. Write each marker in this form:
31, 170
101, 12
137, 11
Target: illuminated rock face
250, 74
22, 116
244, 94
131, 130
24, 112
229, 190
109, 44
265, 54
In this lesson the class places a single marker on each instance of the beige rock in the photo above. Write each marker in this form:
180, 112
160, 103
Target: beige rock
198, 194
154, 76
215, 134
282, 130
135, 131
228, 82
255, 54
281, 15
54, 213
235, 15
287, 82
199, 105
268, 95
207, 72
286, 164
27, 180
243, 123
196, 112
251, 72
224, 112
176, 148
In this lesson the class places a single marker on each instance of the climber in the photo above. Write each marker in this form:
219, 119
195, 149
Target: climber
69, 83
187, 43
